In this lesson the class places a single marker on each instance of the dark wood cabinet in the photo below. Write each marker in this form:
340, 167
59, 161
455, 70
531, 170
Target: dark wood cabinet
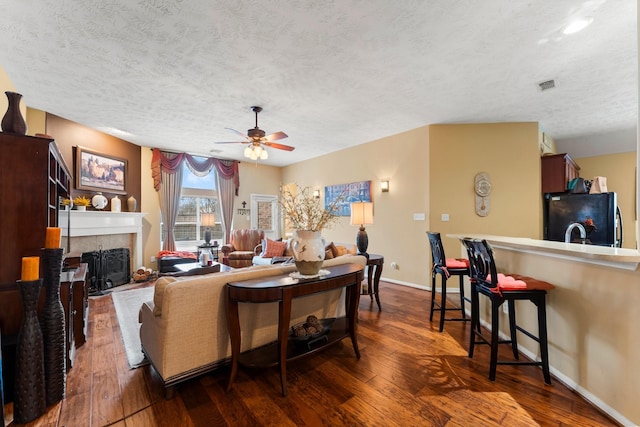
557, 171
33, 177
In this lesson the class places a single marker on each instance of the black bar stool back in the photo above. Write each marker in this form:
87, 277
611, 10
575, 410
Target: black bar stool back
445, 268
499, 289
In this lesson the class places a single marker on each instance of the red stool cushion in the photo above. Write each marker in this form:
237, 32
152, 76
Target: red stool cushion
457, 263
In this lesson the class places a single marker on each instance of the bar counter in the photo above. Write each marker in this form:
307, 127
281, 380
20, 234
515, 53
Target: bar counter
627, 259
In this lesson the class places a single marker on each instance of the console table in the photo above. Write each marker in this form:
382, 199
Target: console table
284, 289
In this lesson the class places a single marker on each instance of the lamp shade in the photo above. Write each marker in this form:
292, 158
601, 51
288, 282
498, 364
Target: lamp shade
207, 220
361, 213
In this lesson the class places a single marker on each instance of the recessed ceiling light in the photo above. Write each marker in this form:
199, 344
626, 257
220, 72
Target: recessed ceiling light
577, 25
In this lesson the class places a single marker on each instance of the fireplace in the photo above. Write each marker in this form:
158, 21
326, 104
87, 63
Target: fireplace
94, 230
107, 269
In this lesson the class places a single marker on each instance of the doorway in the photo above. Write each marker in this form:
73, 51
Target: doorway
265, 215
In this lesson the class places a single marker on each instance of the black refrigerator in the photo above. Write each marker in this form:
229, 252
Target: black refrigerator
599, 214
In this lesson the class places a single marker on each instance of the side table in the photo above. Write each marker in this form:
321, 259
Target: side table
211, 247
374, 271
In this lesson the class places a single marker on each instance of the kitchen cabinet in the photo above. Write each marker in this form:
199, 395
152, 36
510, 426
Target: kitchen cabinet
557, 171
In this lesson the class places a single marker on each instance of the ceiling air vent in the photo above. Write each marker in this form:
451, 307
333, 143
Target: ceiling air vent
546, 85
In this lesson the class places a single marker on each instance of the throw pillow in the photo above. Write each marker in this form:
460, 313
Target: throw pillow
288, 251
328, 254
274, 248
334, 250
341, 250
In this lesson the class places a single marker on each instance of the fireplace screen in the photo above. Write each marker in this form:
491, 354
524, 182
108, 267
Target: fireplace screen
107, 269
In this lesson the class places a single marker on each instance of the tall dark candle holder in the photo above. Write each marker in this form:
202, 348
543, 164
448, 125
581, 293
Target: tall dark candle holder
29, 396
53, 327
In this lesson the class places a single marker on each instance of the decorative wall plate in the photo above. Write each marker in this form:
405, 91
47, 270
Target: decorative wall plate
482, 188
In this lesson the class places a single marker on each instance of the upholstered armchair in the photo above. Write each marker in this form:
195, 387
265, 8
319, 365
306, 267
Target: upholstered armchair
239, 252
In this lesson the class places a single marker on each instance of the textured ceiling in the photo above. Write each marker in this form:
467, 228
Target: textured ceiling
330, 73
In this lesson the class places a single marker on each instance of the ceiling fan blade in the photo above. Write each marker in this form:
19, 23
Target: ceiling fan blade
276, 136
238, 132
279, 146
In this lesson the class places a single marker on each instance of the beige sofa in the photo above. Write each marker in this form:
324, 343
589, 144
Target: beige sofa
184, 329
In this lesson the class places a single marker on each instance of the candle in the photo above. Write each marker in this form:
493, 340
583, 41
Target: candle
30, 268
52, 239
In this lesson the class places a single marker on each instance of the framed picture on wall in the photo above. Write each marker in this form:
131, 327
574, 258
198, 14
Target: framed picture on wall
352, 192
100, 172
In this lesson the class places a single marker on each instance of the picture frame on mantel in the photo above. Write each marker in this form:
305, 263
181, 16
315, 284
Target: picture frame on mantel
100, 172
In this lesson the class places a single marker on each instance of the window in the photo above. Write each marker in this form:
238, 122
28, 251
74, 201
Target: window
198, 196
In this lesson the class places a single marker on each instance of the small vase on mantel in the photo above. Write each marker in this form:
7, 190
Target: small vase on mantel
13, 122
116, 204
132, 204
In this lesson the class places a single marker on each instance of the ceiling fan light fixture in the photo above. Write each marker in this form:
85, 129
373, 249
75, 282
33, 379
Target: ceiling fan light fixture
264, 155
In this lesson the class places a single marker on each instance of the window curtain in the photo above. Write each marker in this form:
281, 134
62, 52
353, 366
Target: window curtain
226, 191
167, 181
169, 195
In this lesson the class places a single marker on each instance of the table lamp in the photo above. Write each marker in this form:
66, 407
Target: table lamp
361, 214
207, 220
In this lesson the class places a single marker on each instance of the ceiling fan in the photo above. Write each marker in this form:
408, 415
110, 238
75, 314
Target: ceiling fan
256, 139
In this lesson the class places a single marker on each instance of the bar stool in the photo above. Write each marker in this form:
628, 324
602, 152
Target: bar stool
446, 267
500, 289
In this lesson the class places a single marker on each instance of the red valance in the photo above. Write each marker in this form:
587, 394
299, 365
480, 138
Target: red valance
227, 169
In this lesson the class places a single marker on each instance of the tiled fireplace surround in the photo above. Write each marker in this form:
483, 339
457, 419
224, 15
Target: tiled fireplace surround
95, 230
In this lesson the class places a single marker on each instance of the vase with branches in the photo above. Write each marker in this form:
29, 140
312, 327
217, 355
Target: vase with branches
307, 217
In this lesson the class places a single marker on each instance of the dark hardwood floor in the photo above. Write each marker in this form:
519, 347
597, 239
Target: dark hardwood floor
409, 375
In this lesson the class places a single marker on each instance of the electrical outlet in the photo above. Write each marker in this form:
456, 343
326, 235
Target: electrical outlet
153, 259
394, 265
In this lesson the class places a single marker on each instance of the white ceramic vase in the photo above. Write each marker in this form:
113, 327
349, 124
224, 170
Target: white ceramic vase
308, 251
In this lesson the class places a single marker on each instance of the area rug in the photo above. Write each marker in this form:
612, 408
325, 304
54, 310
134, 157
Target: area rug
127, 305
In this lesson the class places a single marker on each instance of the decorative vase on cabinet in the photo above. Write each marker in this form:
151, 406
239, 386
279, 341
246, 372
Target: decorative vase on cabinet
13, 122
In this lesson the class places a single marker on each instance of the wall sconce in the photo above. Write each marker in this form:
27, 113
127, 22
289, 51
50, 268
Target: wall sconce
316, 194
384, 186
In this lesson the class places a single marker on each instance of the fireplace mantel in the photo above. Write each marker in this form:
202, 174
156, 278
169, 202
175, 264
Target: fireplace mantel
99, 223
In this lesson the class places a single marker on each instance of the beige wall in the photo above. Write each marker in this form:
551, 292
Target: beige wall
510, 154
620, 170
403, 159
